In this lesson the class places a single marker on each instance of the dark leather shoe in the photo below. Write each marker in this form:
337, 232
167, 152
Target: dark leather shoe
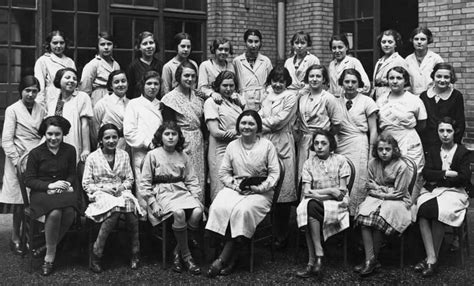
430, 270
318, 265
191, 266
94, 263
177, 265
230, 267
420, 266
135, 261
215, 268
305, 273
369, 267
359, 267
39, 252
16, 248
47, 268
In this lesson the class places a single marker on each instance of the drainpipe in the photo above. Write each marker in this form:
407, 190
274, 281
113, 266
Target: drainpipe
281, 32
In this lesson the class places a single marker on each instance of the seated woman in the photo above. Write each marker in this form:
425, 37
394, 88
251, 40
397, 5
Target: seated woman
235, 212
171, 188
386, 209
108, 180
51, 174
324, 206
443, 199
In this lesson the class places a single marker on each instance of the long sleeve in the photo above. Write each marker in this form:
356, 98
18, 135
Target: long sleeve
127, 173
40, 73
273, 169
99, 112
71, 166
132, 81
88, 182
226, 173
365, 78
131, 131
459, 116
191, 180
167, 80
402, 181
8, 136
280, 119
146, 182
31, 174
89, 73
204, 85
462, 166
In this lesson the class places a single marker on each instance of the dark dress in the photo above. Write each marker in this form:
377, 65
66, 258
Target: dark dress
43, 168
135, 72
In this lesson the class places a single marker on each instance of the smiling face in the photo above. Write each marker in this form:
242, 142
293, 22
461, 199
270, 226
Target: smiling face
184, 49
442, 79
54, 136
446, 133
222, 52
151, 87
188, 78
120, 84
339, 50
420, 42
385, 151
227, 88
396, 81
57, 45
316, 79
28, 95
105, 48
248, 126
278, 86
68, 82
350, 84
388, 44
148, 47
253, 44
170, 138
110, 139
321, 146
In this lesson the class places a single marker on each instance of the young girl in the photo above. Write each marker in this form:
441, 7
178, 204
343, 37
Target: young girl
96, 72
386, 209
323, 207
171, 188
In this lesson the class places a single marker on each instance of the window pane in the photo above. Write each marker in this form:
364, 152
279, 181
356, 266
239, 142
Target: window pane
366, 8
65, 23
347, 9
124, 58
4, 21
3, 2
169, 56
348, 29
22, 62
63, 5
24, 3
176, 4
366, 58
194, 30
145, 3
122, 31
22, 29
126, 2
4, 65
172, 27
193, 5
83, 57
196, 56
365, 34
143, 24
87, 5
87, 26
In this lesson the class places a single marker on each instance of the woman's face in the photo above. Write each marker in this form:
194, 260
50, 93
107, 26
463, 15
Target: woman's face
57, 45
396, 81
248, 126
300, 46
385, 151
54, 136
28, 95
339, 50
350, 84
105, 48
388, 44
446, 133
120, 84
184, 49
316, 79
222, 52
253, 44
170, 138
420, 42
148, 47
442, 79
110, 139
278, 86
321, 146
188, 78
68, 82
151, 87
227, 88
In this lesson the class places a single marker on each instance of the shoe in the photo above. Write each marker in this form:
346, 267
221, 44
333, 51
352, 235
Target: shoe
420, 266
177, 265
39, 252
135, 261
359, 267
430, 269
215, 268
16, 248
305, 273
191, 266
47, 268
318, 265
368, 268
194, 244
94, 263
230, 267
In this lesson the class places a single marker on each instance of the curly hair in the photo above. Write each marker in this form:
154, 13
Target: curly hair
223, 75
387, 138
220, 41
328, 135
49, 38
57, 121
158, 136
396, 36
403, 71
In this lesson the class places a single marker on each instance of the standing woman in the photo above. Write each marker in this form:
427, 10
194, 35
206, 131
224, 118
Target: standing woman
182, 43
388, 42
339, 45
146, 48
421, 61
358, 131
220, 120
19, 136
48, 64
183, 106
252, 69
96, 72
278, 115
76, 107
441, 100
301, 59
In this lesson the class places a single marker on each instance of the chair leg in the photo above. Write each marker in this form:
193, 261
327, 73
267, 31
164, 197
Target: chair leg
297, 247
31, 226
252, 253
462, 242
466, 233
402, 250
164, 229
345, 247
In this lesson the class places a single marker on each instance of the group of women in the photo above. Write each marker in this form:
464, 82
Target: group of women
148, 127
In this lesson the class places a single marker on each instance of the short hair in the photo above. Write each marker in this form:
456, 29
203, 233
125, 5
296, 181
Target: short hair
328, 135
220, 41
323, 70
179, 70
279, 73
139, 40
449, 120
59, 75
353, 72
423, 30
396, 36
223, 75
149, 74
181, 36
158, 136
339, 37
444, 66
252, 32
254, 114
104, 128
57, 121
27, 81
300, 36
403, 71
49, 38
387, 138
111, 78
106, 36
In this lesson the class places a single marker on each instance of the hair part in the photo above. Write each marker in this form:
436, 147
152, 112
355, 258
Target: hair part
49, 38
223, 75
180, 69
279, 73
387, 138
111, 78
105, 127
149, 74
353, 72
27, 81
444, 66
300, 36
423, 30
403, 71
323, 70
172, 125
138, 41
339, 37
396, 37
252, 113
181, 36
59, 75
220, 41
252, 32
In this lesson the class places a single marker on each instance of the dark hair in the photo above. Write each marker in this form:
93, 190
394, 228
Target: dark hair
49, 38
252, 32
27, 81
323, 70
106, 36
59, 76
279, 73
396, 36
181, 36
339, 37
444, 66
301, 35
111, 78
451, 121
328, 135
104, 128
223, 75
353, 72
57, 121
140, 38
387, 138
149, 74
220, 41
403, 71
254, 114
180, 68
423, 30
158, 137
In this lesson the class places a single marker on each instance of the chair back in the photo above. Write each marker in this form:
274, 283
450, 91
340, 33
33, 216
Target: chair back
413, 172
277, 189
350, 184
20, 173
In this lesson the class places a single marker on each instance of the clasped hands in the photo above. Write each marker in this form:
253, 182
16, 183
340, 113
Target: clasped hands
59, 187
376, 191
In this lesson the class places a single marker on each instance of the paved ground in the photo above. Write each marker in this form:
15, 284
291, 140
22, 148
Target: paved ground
72, 267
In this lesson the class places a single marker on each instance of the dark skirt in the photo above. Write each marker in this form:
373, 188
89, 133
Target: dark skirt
376, 221
42, 203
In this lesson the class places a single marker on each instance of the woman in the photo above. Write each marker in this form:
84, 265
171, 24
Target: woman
76, 107
301, 59
317, 109
220, 121
252, 69
49, 63
142, 118
358, 131
96, 72
401, 115
443, 200
221, 48
323, 208
171, 188
183, 106
388, 42
19, 136
146, 49
339, 45
183, 51
111, 109
421, 61
51, 175
386, 209
278, 115
441, 100
235, 212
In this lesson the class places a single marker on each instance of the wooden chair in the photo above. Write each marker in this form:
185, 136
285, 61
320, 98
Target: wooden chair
463, 233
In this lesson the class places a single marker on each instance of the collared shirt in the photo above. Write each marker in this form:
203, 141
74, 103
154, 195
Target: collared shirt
96, 73
421, 72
